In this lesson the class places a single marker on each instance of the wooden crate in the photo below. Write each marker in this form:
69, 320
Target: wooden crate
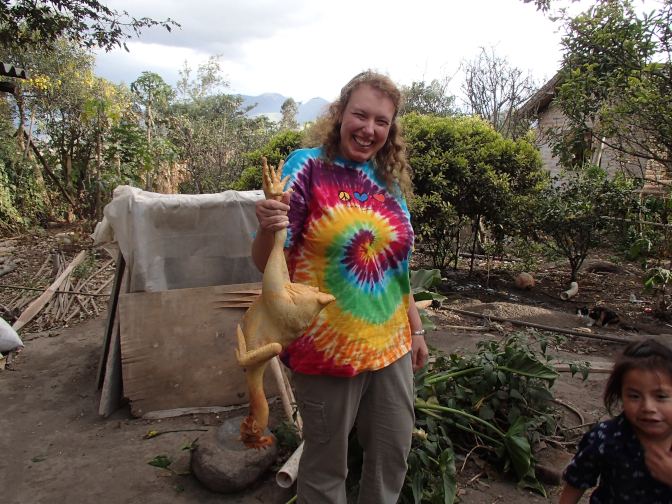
177, 348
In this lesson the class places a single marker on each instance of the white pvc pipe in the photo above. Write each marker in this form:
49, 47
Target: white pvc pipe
573, 289
287, 475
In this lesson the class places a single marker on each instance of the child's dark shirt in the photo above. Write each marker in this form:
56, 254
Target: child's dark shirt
612, 452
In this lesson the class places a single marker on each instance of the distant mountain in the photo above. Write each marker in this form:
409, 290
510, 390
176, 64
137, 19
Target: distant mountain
269, 104
311, 110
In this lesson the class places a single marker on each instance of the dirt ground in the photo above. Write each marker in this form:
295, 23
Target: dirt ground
57, 449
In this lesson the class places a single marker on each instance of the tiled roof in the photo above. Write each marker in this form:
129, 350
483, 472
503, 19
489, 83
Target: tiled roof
541, 99
8, 70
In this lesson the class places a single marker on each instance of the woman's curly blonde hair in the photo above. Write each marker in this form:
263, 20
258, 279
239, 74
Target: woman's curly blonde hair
390, 160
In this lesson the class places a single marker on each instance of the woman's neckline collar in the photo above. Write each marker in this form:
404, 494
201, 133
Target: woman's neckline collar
354, 164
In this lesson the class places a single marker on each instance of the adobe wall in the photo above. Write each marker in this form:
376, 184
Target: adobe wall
612, 161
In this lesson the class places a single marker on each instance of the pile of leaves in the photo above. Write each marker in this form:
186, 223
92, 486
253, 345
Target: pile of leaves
496, 399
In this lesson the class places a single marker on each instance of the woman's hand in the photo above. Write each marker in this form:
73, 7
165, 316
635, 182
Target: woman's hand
418, 346
420, 352
272, 214
659, 462
272, 217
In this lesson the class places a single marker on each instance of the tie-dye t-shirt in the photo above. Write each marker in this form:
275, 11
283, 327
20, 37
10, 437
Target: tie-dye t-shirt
351, 237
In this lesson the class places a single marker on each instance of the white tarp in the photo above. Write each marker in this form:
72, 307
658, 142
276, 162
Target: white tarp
179, 241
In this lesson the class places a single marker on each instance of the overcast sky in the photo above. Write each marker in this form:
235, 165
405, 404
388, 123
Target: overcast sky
310, 48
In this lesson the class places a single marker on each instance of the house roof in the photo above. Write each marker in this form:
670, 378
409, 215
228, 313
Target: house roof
541, 99
8, 70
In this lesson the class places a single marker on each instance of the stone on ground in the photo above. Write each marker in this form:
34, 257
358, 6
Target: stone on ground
223, 464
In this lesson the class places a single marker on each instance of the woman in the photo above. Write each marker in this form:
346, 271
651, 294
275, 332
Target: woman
349, 234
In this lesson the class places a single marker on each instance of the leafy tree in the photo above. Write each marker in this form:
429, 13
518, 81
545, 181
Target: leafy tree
211, 130
277, 149
208, 80
495, 90
12, 216
128, 153
40, 23
465, 173
568, 217
102, 113
616, 78
432, 99
542, 5
289, 110
62, 141
545, 5
152, 98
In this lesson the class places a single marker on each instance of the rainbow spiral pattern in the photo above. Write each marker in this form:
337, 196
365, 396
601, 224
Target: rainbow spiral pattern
352, 238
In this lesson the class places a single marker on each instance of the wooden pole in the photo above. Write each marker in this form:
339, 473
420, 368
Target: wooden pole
285, 391
109, 324
544, 328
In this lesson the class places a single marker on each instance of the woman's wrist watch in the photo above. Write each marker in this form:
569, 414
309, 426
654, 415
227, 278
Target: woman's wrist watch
421, 332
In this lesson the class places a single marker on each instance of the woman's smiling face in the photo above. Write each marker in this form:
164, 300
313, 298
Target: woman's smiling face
365, 123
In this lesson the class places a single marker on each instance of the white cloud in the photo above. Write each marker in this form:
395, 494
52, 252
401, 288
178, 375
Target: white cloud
216, 26
306, 49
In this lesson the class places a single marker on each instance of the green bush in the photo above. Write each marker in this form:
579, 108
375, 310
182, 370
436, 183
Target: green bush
277, 149
569, 215
465, 173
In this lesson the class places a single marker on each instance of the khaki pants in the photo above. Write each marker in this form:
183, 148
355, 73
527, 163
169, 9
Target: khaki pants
382, 402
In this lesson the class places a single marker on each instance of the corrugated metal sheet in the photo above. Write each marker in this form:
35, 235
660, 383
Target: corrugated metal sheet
8, 70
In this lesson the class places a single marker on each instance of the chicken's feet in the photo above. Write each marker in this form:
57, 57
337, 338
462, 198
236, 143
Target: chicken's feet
251, 435
274, 186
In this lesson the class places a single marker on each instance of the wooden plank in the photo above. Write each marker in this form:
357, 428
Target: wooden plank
173, 413
111, 313
595, 367
39, 303
110, 398
177, 349
235, 305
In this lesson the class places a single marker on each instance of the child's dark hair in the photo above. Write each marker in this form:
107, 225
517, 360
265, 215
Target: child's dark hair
645, 355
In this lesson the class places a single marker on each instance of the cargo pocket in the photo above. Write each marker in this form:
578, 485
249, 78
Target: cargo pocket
314, 421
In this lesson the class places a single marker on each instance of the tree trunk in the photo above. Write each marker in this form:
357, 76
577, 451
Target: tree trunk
97, 214
30, 134
148, 173
68, 169
51, 174
474, 228
457, 245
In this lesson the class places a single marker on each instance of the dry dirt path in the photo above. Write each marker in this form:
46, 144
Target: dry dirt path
50, 411
57, 449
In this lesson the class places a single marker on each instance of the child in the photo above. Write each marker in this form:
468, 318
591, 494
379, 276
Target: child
615, 450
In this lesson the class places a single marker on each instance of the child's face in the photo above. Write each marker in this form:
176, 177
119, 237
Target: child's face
647, 403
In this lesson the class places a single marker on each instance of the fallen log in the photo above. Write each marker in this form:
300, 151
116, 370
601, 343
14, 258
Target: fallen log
466, 328
543, 327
